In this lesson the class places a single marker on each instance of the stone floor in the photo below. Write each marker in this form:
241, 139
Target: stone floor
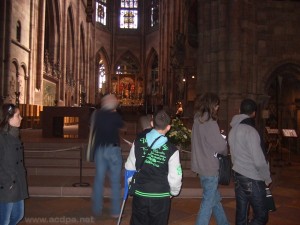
70, 210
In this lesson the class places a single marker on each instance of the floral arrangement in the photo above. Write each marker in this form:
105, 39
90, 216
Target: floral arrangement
179, 134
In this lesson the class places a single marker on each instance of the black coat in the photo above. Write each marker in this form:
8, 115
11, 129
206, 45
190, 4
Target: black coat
13, 183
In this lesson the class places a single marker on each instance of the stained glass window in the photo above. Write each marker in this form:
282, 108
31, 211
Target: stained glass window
101, 11
154, 12
129, 14
101, 76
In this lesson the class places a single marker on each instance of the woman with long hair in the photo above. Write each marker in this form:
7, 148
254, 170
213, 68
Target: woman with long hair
206, 141
13, 184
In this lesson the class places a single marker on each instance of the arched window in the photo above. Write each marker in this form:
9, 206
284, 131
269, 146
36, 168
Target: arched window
101, 77
127, 71
101, 12
129, 14
154, 12
154, 75
18, 31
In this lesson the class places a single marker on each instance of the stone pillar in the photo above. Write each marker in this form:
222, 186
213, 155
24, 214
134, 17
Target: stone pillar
40, 44
6, 29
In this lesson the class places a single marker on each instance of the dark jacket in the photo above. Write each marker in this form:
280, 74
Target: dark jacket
13, 183
161, 173
104, 130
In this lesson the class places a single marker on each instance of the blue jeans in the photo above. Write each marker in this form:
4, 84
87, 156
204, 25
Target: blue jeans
211, 202
249, 192
108, 160
11, 212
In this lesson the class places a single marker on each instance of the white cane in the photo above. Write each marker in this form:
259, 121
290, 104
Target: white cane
128, 174
121, 212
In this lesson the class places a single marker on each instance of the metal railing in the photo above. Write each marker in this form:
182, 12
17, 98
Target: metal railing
80, 148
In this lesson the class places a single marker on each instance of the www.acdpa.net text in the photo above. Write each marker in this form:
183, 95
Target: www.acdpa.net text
62, 220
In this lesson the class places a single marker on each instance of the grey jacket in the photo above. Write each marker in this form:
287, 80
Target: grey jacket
13, 183
206, 140
246, 153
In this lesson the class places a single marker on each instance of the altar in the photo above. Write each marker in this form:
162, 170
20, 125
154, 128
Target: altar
53, 120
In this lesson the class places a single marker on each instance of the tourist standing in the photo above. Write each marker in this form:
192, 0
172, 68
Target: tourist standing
13, 183
160, 175
251, 169
206, 141
104, 148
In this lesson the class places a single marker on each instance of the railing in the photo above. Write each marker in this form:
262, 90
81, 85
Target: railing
80, 148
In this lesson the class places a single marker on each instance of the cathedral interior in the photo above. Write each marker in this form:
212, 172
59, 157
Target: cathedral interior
58, 54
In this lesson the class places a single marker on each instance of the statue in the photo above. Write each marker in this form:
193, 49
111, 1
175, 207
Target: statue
178, 51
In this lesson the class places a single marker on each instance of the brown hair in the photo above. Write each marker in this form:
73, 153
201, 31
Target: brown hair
206, 103
161, 120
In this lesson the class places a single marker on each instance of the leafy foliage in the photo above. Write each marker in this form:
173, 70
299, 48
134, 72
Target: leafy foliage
179, 134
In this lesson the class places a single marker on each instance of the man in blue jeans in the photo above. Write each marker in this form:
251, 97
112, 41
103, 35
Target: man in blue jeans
250, 166
104, 148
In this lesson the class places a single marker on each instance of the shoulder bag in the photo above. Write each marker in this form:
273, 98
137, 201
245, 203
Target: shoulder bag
224, 169
132, 183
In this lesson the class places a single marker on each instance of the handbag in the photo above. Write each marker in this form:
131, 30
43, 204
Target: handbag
132, 184
224, 168
270, 203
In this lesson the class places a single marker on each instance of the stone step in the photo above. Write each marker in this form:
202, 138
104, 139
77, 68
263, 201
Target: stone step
53, 167
88, 170
64, 159
73, 186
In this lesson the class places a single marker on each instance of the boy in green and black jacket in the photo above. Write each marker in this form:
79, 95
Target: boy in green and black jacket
160, 177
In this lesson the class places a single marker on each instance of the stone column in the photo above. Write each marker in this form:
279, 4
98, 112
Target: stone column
40, 44
6, 29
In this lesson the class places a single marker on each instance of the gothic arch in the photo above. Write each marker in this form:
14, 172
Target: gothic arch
130, 58
24, 68
103, 56
15, 62
126, 80
23, 84
52, 30
151, 79
283, 89
284, 69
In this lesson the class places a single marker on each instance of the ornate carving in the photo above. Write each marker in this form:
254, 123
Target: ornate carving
51, 69
89, 11
178, 51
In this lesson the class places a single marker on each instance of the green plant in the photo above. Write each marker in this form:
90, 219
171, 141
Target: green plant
179, 134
